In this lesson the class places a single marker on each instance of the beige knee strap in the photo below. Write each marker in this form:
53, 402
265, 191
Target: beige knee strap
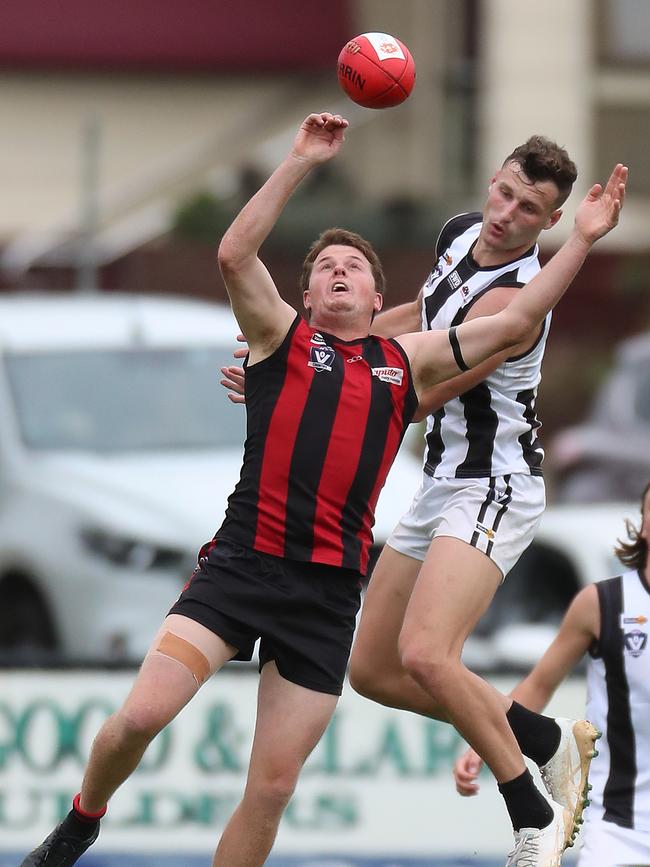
182, 651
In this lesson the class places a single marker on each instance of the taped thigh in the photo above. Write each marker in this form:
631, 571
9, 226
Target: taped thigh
175, 647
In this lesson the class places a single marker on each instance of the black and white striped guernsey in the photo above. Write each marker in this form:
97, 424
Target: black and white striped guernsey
618, 703
491, 430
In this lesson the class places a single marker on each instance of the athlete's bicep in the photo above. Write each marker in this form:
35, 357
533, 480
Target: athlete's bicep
494, 301
433, 357
435, 396
263, 316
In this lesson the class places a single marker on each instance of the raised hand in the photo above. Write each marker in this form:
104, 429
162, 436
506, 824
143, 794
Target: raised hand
599, 211
320, 137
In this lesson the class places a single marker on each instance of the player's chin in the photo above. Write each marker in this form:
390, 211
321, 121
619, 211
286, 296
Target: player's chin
342, 301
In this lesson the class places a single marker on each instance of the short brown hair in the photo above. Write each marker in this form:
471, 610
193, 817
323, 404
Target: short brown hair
543, 160
347, 239
634, 553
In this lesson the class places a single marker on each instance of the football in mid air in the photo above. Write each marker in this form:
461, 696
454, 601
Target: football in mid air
376, 70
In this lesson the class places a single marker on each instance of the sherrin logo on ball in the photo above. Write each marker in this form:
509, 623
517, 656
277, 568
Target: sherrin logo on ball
376, 70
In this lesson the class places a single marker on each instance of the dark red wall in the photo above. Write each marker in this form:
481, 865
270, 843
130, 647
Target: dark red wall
173, 35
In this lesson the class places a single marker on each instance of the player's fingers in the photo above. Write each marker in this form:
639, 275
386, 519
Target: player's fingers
236, 398
621, 183
464, 773
240, 353
466, 788
315, 119
241, 339
232, 382
234, 372
595, 193
336, 127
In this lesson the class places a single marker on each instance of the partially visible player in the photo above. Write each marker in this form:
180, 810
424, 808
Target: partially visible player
609, 621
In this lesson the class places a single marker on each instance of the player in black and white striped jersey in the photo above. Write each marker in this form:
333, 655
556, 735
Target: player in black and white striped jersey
609, 620
482, 493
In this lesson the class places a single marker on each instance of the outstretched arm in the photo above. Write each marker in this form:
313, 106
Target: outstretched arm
439, 355
262, 314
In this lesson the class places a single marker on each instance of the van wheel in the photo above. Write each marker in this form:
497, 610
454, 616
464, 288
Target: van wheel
25, 622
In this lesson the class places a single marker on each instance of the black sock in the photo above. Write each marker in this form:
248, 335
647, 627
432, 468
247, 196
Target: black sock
527, 807
78, 823
538, 736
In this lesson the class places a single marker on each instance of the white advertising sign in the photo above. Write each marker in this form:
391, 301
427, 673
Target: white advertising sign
378, 786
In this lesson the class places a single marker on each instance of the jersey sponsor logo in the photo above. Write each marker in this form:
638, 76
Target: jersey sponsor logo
464, 291
354, 358
321, 358
448, 258
640, 619
483, 529
454, 280
317, 339
635, 642
393, 375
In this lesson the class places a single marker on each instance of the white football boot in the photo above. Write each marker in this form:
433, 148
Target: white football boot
535, 847
565, 775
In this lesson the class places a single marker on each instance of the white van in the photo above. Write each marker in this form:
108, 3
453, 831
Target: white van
118, 450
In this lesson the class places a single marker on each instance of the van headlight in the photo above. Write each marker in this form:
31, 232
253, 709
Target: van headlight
122, 550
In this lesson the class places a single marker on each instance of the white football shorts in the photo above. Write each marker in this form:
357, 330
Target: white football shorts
498, 516
605, 844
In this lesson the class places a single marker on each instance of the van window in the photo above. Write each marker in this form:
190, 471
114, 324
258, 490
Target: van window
124, 400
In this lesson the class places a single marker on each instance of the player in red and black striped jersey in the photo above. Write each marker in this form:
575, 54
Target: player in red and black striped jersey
325, 420
327, 408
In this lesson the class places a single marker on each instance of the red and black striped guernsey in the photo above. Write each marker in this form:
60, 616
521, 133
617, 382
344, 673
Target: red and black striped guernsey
325, 420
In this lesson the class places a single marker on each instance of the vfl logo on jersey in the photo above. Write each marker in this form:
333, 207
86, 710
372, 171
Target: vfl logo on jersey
635, 642
321, 358
454, 280
392, 375
483, 529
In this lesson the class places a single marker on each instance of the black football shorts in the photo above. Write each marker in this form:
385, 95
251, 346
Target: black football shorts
304, 613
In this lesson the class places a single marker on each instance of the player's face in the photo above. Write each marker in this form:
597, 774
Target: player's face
341, 282
516, 210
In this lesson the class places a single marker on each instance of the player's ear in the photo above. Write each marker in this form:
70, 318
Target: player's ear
379, 302
552, 220
306, 305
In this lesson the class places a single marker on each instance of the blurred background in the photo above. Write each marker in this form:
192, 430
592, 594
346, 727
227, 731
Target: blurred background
132, 133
